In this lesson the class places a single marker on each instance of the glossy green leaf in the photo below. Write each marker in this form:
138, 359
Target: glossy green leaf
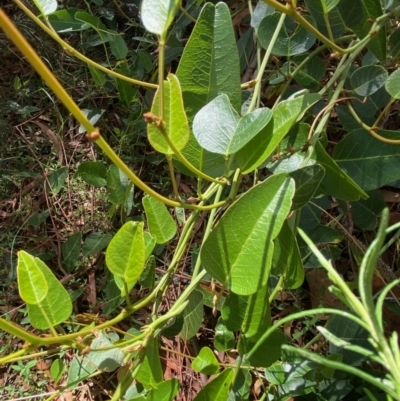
193, 315
262, 9
57, 179
150, 373
288, 43
307, 181
206, 362
165, 391
95, 242
367, 80
173, 327
46, 6
176, 123
287, 261
262, 145
224, 339
393, 84
161, 224
125, 255
157, 15
249, 314
217, 389
370, 162
94, 173
336, 182
241, 258
204, 78
57, 304
71, 250
32, 283
323, 10
357, 14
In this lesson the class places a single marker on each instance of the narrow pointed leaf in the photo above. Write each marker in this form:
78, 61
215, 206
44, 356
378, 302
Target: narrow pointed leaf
71, 250
157, 15
238, 252
32, 283
57, 304
217, 389
176, 123
125, 255
161, 224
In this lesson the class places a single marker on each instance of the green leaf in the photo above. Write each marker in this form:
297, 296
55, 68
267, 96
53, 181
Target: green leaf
118, 47
57, 179
46, 6
115, 189
206, 362
97, 75
367, 80
108, 360
321, 10
161, 224
95, 242
57, 304
370, 162
38, 218
224, 339
93, 115
217, 71
365, 213
218, 128
125, 256
393, 84
165, 391
241, 259
357, 14
127, 93
193, 315
311, 73
336, 182
287, 261
57, 369
307, 181
32, 283
268, 352
65, 21
157, 15
249, 314
241, 387
176, 123
262, 145
94, 173
288, 43
147, 279
71, 250
150, 373
173, 327
217, 389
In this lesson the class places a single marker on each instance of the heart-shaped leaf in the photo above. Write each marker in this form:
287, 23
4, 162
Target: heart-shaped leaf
125, 255
32, 283
238, 251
